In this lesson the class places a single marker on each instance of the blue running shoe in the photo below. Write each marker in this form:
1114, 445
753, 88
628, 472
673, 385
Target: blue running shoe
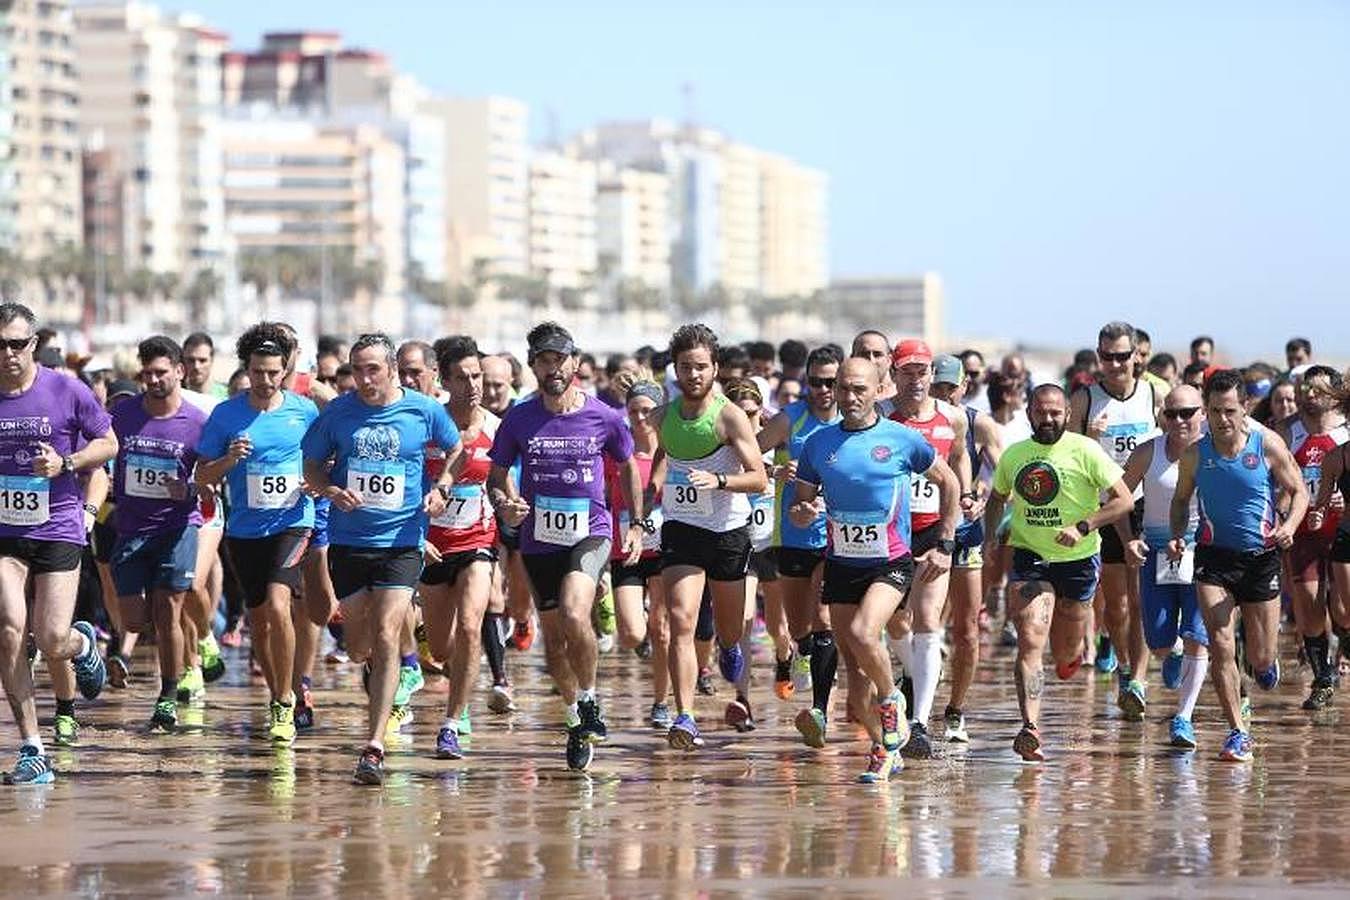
31, 768
1106, 655
731, 661
660, 716
1171, 671
447, 744
683, 734
90, 672
1182, 732
369, 767
1269, 679
1237, 748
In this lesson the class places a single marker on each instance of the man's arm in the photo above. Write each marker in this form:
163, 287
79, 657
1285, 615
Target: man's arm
1179, 517
1290, 480
735, 431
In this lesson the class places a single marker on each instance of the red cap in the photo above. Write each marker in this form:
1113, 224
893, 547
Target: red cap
911, 351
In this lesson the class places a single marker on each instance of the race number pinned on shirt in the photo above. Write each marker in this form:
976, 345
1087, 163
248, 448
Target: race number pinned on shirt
688, 501
859, 535
24, 500
1120, 439
561, 520
149, 476
272, 486
464, 508
923, 495
378, 482
1176, 571
761, 518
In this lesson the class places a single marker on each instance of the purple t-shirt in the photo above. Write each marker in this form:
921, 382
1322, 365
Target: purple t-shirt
60, 411
151, 454
562, 474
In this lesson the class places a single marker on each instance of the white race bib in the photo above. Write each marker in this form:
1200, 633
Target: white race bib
273, 486
761, 518
923, 495
1120, 439
561, 520
24, 500
859, 536
649, 541
464, 509
149, 476
378, 482
1180, 571
684, 498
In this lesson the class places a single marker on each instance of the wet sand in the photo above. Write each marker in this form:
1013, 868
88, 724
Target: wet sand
1113, 812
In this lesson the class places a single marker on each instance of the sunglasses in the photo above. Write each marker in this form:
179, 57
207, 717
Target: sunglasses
1122, 356
816, 381
16, 344
1185, 413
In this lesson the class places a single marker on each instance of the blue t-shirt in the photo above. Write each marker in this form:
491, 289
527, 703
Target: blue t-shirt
264, 489
379, 453
802, 423
1236, 496
865, 477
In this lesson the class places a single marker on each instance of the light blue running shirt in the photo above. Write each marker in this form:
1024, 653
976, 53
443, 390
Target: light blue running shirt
1237, 498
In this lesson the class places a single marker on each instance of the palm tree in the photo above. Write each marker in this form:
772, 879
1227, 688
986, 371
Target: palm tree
204, 287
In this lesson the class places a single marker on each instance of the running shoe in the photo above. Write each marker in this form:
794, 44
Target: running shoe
425, 657
811, 724
704, 685
465, 726
213, 666
643, 650
580, 751
592, 724
954, 726
304, 708
90, 673
604, 643
1007, 637
164, 720
1320, 695
32, 767
500, 700
660, 716
894, 726
67, 731
1237, 747
605, 621
1106, 655
281, 724
1245, 709
1182, 733
400, 717
191, 685
1027, 744
1171, 670
410, 681
782, 678
683, 734
369, 767
447, 744
1269, 679
731, 662
801, 673
1065, 671
738, 715
880, 764
233, 637
919, 745
523, 637
1131, 700
119, 671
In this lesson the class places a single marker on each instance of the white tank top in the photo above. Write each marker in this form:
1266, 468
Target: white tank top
1129, 422
704, 507
1159, 486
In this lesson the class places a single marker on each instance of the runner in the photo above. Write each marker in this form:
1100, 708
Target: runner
1173, 626
875, 347
1235, 470
44, 416
864, 465
711, 462
799, 552
252, 443
559, 435
1332, 488
199, 356
1315, 433
1054, 481
376, 438
155, 557
511, 579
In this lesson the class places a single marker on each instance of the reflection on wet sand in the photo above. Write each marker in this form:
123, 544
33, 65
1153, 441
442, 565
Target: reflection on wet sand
217, 810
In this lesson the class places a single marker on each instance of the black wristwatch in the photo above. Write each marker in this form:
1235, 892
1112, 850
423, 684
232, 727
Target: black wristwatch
1083, 527
444, 490
721, 482
647, 525
946, 545
68, 464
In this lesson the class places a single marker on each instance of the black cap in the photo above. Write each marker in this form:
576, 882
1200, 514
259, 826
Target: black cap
553, 342
51, 358
122, 386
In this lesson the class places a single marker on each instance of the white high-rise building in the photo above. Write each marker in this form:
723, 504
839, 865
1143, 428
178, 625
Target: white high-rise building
633, 223
562, 223
794, 228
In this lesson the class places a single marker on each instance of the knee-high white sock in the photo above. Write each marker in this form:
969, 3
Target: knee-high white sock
747, 645
1193, 671
927, 665
903, 649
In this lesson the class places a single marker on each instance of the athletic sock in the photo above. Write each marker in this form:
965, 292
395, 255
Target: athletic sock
35, 743
824, 662
927, 653
903, 649
409, 660
168, 688
493, 647
586, 695
1193, 671
1318, 650
747, 646
65, 707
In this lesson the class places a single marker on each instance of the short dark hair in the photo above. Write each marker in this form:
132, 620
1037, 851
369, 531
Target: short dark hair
1160, 361
733, 357
328, 344
1298, 343
264, 339
687, 337
197, 339
450, 350
428, 354
865, 332
1223, 381
614, 362
158, 346
1141, 337
343, 369
1331, 375
792, 354
11, 311
377, 339
1048, 387
965, 355
1114, 331
761, 351
1202, 339
824, 356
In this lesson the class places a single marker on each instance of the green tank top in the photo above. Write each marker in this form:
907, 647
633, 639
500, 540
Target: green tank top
691, 438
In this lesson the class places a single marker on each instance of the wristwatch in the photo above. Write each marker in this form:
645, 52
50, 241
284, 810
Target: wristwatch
1083, 527
444, 490
946, 545
721, 482
67, 464
646, 525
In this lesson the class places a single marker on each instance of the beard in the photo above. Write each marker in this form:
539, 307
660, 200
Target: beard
554, 385
1047, 432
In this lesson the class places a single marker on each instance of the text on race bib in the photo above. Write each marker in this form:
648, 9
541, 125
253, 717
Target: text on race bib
859, 535
761, 517
564, 521
379, 483
24, 500
464, 508
923, 495
273, 486
149, 476
1178, 571
1121, 438
684, 498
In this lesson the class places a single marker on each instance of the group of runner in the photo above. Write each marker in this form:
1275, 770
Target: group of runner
867, 504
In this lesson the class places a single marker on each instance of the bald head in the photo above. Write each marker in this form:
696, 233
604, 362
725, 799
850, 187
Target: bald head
496, 384
860, 367
855, 391
1182, 396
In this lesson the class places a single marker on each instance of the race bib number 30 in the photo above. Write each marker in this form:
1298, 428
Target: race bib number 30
561, 520
683, 498
464, 509
923, 495
24, 500
859, 536
379, 483
149, 476
273, 487
761, 518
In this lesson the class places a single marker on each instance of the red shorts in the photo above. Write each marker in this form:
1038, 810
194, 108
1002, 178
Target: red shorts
1306, 559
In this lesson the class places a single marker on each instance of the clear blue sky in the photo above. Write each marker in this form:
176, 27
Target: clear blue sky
1180, 165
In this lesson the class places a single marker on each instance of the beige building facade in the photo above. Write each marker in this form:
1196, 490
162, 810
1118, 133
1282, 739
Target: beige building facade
562, 220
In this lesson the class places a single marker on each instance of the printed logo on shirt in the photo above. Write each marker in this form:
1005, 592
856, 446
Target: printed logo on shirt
1250, 460
1037, 482
376, 442
881, 453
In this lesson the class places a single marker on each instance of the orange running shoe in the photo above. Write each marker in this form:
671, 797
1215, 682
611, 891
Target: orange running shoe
523, 638
1065, 671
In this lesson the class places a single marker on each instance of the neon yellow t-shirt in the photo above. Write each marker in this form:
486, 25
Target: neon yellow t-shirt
1053, 486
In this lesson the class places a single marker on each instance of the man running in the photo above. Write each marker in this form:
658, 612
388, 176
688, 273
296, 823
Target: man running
1054, 480
252, 443
875, 347
561, 435
712, 463
799, 551
377, 439
199, 357
44, 418
1235, 470
864, 465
